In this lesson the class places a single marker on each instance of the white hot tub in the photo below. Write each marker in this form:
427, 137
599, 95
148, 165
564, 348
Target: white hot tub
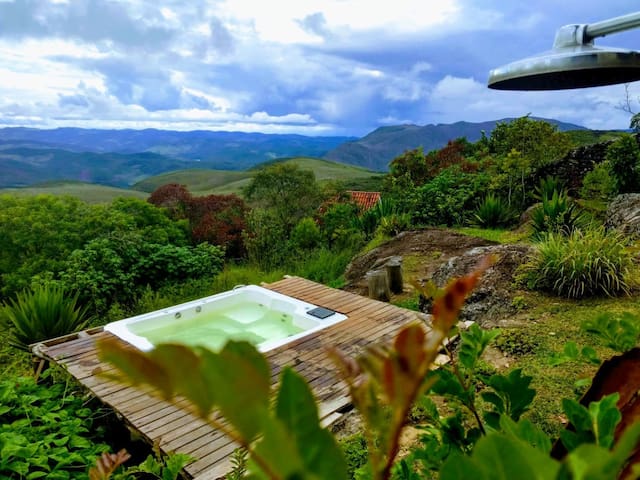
265, 318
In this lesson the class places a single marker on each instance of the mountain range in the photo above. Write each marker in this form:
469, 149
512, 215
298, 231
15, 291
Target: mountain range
378, 148
123, 157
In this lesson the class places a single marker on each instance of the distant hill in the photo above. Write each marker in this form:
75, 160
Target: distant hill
87, 192
201, 181
220, 150
23, 165
378, 148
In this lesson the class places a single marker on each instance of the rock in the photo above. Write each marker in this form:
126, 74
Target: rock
572, 169
492, 298
525, 218
623, 214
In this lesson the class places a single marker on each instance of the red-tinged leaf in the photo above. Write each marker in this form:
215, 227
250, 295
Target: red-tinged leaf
349, 368
135, 366
447, 307
107, 463
409, 345
389, 380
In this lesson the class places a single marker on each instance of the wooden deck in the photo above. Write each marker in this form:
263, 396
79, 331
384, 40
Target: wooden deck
176, 430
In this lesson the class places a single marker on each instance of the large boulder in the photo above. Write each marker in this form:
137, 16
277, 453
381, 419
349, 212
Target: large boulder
492, 299
623, 214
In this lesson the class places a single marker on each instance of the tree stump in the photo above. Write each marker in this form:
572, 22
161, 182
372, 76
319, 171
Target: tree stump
378, 285
394, 274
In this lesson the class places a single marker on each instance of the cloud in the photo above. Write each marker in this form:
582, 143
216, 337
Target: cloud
319, 66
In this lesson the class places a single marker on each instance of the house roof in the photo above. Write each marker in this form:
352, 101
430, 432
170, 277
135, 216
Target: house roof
364, 200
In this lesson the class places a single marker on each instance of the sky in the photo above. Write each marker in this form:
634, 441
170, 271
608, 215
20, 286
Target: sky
312, 67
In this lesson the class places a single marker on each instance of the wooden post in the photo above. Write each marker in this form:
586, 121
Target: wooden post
394, 273
378, 285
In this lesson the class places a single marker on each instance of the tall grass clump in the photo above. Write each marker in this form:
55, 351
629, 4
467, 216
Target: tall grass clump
324, 266
46, 311
584, 264
493, 212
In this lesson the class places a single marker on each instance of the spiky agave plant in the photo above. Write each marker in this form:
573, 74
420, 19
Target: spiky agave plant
43, 312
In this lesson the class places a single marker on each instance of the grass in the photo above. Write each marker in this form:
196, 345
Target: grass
493, 234
548, 325
199, 181
204, 182
87, 192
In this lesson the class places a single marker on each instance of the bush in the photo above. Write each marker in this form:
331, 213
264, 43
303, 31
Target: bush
393, 224
556, 214
324, 266
583, 264
449, 198
598, 183
493, 212
306, 234
266, 239
45, 312
624, 157
46, 431
355, 453
547, 186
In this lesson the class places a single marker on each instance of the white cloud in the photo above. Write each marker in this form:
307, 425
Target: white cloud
307, 66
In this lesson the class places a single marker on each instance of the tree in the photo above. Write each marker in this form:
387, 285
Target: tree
624, 158
292, 193
537, 141
172, 196
219, 220
412, 165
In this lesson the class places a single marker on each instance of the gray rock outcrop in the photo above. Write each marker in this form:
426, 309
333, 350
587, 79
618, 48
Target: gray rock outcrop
623, 214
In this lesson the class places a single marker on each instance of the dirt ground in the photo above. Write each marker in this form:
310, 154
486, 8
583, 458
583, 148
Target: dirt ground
423, 252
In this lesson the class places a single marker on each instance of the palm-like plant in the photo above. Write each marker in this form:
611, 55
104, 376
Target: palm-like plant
493, 212
44, 312
556, 214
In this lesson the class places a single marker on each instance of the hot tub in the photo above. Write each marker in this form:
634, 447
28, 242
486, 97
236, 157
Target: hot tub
260, 316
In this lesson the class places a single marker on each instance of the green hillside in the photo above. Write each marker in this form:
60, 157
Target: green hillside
201, 181
87, 192
198, 180
589, 137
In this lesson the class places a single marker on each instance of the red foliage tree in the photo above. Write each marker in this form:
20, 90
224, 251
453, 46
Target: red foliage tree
218, 219
172, 196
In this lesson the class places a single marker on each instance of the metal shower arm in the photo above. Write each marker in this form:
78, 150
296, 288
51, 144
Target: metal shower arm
613, 25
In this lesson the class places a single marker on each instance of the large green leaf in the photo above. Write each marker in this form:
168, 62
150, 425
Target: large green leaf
239, 380
501, 457
512, 396
526, 431
594, 424
297, 410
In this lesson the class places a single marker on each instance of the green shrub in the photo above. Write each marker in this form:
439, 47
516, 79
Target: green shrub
306, 234
338, 219
556, 214
516, 342
234, 275
598, 183
45, 312
46, 430
392, 225
583, 264
547, 186
493, 212
323, 265
266, 239
449, 198
624, 157
355, 453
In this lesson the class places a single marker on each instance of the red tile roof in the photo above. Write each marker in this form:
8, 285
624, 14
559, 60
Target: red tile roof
364, 200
